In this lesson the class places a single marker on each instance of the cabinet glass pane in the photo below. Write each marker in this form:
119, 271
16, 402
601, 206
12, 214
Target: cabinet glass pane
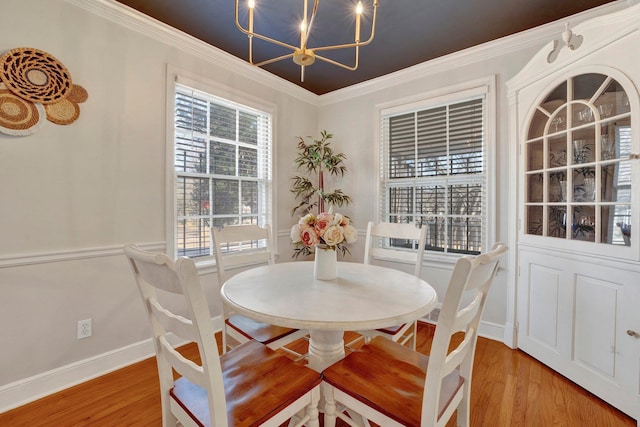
614, 223
557, 223
558, 151
608, 147
582, 114
583, 226
616, 182
558, 121
536, 129
587, 85
584, 184
534, 219
557, 186
583, 146
534, 188
613, 101
535, 156
558, 96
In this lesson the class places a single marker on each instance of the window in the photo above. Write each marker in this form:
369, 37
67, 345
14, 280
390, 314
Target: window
222, 168
434, 171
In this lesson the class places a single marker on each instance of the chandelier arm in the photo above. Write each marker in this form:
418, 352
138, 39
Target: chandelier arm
354, 44
308, 29
269, 61
331, 61
260, 36
340, 46
274, 41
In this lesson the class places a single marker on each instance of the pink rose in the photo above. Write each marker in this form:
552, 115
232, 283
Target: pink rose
308, 236
321, 226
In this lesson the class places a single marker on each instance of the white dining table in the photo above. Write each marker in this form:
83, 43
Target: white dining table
362, 297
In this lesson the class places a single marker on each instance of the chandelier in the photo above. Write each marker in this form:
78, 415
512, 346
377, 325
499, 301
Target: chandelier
304, 55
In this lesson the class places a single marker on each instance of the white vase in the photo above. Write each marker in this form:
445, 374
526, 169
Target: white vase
326, 263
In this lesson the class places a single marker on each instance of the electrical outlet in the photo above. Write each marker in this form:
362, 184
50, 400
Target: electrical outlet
84, 328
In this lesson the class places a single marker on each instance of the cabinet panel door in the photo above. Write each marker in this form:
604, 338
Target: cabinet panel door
544, 309
580, 318
597, 314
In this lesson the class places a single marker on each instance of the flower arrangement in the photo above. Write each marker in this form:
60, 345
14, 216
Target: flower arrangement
333, 230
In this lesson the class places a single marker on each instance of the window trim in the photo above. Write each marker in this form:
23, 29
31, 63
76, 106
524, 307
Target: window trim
425, 100
187, 78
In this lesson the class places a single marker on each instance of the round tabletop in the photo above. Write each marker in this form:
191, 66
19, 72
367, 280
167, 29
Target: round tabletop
362, 297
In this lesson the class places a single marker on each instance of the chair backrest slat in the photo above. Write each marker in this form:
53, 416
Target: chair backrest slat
466, 315
457, 355
229, 252
173, 323
399, 231
182, 365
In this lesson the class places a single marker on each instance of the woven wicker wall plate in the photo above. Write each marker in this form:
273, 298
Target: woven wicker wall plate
78, 94
35, 75
63, 112
18, 116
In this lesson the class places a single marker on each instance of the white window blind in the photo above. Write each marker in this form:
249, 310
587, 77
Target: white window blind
222, 167
434, 172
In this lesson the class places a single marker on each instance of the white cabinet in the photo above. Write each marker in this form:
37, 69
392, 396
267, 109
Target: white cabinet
579, 315
574, 111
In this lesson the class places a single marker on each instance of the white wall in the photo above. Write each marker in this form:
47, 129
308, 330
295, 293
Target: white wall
71, 196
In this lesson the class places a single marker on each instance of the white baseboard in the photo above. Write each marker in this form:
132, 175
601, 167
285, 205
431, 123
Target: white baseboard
492, 331
33, 388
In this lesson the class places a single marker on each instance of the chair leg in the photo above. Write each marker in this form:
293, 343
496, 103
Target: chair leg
414, 338
329, 406
462, 418
312, 409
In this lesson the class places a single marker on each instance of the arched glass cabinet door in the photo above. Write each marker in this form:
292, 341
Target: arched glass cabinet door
578, 165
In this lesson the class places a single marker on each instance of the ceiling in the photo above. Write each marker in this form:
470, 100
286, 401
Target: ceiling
408, 32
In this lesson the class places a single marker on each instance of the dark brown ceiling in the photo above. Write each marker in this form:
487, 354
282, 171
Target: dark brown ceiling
408, 32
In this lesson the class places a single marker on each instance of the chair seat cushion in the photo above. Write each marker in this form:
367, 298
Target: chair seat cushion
261, 332
258, 382
389, 378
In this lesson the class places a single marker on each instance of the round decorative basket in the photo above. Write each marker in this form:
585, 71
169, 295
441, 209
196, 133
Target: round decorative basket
63, 112
19, 117
35, 75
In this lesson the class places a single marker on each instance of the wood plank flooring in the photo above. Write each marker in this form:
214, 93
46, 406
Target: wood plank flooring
509, 388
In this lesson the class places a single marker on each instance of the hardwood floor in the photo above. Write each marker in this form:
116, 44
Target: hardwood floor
509, 388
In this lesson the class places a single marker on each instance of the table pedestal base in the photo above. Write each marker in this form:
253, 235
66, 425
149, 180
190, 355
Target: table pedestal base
325, 348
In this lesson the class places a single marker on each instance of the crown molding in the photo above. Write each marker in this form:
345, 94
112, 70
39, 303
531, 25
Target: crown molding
532, 38
132, 19
535, 37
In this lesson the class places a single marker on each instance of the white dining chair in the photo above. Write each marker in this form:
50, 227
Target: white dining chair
398, 242
392, 385
238, 246
250, 385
